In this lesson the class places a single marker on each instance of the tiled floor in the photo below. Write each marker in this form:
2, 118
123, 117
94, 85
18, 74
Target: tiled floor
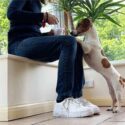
105, 118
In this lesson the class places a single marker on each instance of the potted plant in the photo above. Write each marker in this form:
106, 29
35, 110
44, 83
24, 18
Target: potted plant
98, 9
67, 7
94, 9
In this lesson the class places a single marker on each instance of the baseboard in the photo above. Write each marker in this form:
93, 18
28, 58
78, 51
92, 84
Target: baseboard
3, 114
100, 102
103, 102
21, 111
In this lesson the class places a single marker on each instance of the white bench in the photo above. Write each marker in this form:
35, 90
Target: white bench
27, 87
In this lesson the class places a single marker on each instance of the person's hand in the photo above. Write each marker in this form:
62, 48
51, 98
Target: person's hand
51, 19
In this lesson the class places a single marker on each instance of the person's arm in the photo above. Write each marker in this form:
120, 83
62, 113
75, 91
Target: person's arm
16, 13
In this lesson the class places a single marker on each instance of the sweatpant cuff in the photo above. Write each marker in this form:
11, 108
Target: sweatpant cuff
77, 95
62, 97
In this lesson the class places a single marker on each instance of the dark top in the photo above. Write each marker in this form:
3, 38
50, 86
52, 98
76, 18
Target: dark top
25, 19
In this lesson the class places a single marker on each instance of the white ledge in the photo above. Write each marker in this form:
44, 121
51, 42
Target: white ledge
52, 64
114, 63
24, 59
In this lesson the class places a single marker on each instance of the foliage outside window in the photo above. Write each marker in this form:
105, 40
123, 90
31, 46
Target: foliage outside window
104, 10
113, 37
4, 24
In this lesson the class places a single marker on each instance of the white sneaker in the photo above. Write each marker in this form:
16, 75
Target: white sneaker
71, 108
86, 103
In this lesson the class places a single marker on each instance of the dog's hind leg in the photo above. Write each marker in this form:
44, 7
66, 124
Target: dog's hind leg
118, 90
118, 87
119, 101
112, 94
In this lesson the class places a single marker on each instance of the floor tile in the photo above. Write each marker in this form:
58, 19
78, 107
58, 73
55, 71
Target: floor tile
105, 118
80, 121
120, 117
113, 123
30, 120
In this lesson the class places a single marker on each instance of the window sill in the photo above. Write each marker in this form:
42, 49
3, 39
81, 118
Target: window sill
115, 63
55, 63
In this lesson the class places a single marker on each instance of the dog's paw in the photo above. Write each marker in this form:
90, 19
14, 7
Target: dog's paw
110, 109
115, 111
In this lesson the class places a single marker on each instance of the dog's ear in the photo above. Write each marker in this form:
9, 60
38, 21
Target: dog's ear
83, 25
87, 23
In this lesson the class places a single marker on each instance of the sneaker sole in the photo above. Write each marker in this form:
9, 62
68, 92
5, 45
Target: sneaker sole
95, 110
74, 115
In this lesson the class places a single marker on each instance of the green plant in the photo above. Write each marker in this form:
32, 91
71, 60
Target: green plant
67, 6
98, 9
4, 25
113, 37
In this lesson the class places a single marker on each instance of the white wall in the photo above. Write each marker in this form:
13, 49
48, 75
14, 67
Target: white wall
3, 82
26, 87
30, 83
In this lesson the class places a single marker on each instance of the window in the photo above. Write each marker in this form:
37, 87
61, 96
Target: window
4, 25
53, 9
113, 37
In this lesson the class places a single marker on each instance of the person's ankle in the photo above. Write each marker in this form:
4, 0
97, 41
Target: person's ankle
59, 101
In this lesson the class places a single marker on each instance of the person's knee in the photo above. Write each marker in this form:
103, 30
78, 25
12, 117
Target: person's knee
70, 41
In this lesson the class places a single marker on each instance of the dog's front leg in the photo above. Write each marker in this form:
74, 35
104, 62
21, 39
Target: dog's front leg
112, 93
86, 47
112, 108
118, 108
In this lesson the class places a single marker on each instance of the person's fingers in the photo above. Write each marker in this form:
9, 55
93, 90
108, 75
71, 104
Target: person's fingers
57, 19
53, 20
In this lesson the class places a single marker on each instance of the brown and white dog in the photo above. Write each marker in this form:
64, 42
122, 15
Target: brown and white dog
95, 58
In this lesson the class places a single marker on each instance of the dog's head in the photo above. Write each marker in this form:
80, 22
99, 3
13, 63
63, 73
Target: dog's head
82, 27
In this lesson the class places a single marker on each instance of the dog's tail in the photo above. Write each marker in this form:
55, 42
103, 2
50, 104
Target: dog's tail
122, 81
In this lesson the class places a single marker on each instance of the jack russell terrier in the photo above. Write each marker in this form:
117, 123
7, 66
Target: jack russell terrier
95, 58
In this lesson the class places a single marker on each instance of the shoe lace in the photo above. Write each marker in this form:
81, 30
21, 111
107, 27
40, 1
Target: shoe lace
85, 101
67, 103
82, 101
70, 101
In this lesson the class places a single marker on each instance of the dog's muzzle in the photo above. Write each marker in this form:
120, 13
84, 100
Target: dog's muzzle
74, 33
